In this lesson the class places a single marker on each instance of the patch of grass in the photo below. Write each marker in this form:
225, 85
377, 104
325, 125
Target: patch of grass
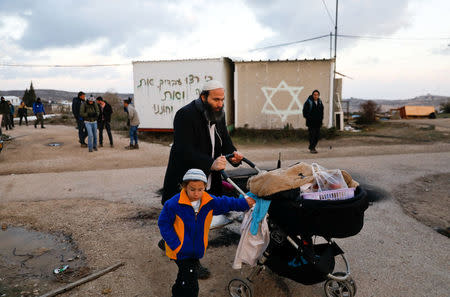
443, 115
284, 136
164, 138
403, 132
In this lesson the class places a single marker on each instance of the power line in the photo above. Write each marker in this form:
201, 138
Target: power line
290, 43
328, 12
64, 66
391, 38
349, 36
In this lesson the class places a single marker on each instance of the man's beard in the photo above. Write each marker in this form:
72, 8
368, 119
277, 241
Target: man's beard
212, 115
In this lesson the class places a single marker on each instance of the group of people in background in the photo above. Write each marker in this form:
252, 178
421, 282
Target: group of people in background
7, 111
94, 114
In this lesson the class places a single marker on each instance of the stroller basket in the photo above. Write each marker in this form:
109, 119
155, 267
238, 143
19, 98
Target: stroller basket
326, 218
340, 194
285, 261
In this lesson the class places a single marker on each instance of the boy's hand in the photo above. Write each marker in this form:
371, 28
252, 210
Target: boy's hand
219, 164
250, 201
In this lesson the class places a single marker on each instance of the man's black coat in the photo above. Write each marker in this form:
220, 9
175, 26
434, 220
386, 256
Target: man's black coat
192, 148
76, 105
313, 113
105, 113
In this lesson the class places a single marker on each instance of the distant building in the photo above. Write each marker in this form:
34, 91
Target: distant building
411, 112
13, 99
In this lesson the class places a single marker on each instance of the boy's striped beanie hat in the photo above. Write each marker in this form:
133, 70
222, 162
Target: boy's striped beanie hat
195, 174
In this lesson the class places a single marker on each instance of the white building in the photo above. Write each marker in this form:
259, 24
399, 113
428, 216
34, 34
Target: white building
13, 99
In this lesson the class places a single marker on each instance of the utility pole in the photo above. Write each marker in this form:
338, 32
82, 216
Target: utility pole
335, 34
335, 48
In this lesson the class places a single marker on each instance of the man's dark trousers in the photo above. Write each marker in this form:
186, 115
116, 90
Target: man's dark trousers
107, 126
314, 134
186, 284
82, 132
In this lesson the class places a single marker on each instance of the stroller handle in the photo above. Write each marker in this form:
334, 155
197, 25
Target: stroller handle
249, 163
229, 180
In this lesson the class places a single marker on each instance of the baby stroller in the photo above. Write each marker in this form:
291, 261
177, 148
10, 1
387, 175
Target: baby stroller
294, 223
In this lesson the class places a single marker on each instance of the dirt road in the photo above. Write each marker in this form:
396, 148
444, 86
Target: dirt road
107, 202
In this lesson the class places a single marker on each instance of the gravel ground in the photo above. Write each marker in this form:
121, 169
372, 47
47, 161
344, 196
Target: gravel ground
107, 202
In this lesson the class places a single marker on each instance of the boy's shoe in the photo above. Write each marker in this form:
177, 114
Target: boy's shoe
84, 145
136, 146
203, 272
112, 145
313, 151
42, 127
129, 147
162, 244
95, 149
90, 150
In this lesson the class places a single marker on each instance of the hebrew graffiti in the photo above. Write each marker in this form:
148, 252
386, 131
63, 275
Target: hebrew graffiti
166, 94
294, 107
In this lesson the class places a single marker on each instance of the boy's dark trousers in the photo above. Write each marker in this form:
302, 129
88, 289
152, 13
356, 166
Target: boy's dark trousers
314, 134
107, 126
186, 284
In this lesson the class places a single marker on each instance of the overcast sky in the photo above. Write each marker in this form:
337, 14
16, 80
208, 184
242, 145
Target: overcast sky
102, 32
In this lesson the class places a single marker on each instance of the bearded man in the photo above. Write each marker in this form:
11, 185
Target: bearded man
201, 140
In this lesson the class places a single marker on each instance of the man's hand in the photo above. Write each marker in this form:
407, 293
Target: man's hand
219, 164
237, 157
250, 201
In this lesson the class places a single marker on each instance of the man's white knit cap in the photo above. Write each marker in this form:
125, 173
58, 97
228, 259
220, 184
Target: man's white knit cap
195, 174
212, 85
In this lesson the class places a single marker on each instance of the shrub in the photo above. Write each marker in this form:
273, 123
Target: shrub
445, 107
369, 111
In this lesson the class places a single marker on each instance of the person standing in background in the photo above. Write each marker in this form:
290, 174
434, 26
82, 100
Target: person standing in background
11, 113
90, 112
22, 113
133, 119
313, 113
104, 120
77, 102
4, 111
39, 112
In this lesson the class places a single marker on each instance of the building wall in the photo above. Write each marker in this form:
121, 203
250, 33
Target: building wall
271, 94
161, 88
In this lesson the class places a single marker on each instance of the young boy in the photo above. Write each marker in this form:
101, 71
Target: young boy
184, 225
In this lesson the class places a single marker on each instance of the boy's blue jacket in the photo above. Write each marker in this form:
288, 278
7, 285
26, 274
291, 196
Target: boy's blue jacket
185, 233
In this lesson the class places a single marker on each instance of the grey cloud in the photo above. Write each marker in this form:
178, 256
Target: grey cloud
72, 23
300, 19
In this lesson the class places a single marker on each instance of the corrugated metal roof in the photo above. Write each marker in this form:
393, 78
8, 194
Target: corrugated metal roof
278, 60
235, 60
182, 60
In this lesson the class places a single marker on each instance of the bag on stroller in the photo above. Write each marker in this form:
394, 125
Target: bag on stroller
326, 218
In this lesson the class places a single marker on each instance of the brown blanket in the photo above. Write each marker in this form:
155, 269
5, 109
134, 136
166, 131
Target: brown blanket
271, 182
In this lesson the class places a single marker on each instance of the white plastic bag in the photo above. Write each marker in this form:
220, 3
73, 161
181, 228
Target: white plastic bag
328, 179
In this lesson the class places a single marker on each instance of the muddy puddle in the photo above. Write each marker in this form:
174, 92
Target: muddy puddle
28, 259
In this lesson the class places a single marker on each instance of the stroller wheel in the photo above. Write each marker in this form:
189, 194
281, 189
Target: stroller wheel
349, 280
239, 288
335, 288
